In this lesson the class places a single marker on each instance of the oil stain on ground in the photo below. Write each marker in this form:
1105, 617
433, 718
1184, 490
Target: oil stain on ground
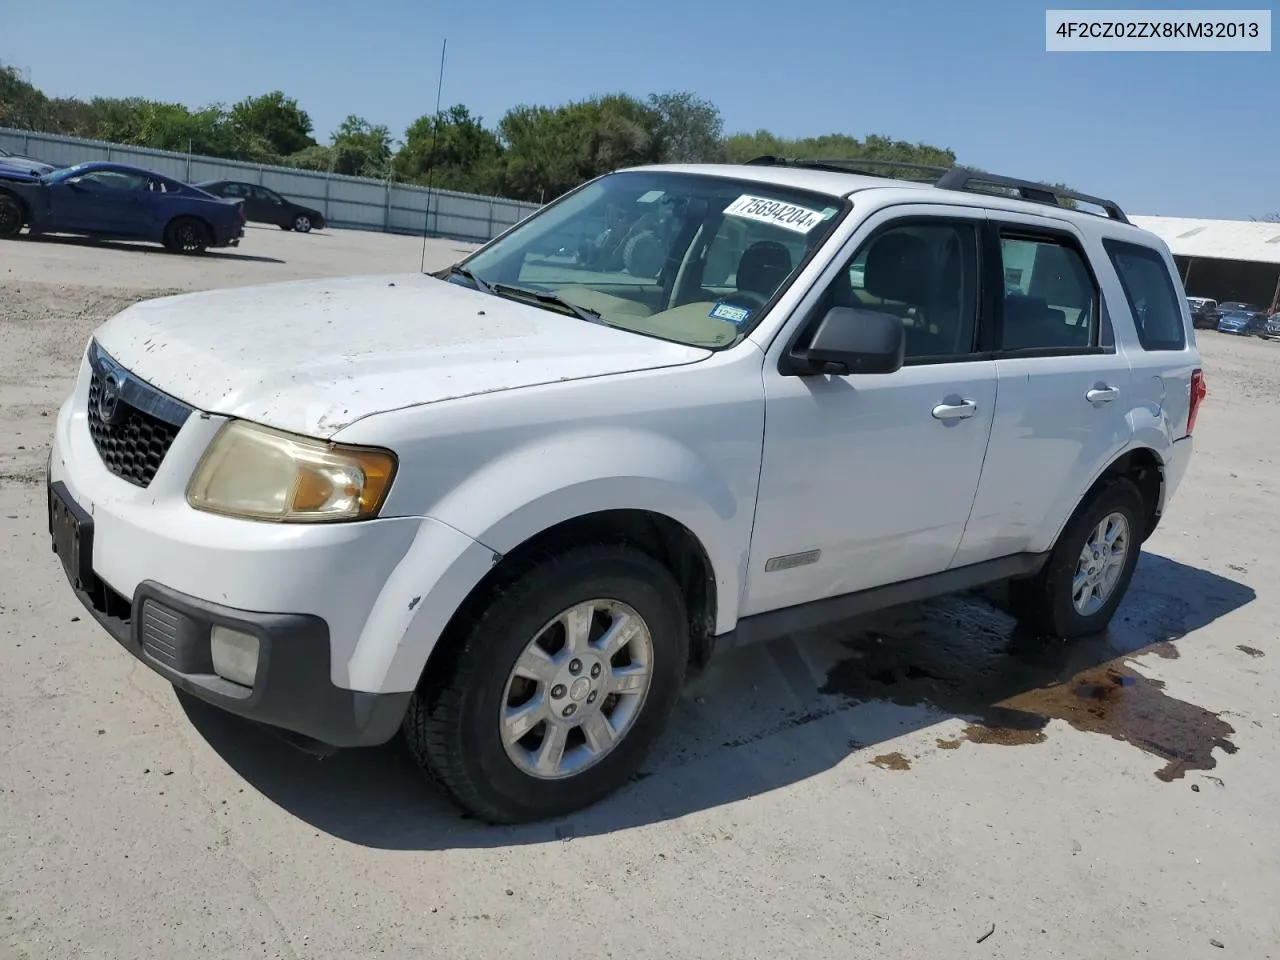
964, 656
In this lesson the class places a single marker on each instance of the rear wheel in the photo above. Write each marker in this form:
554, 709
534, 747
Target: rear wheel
186, 235
558, 689
11, 216
1089, 569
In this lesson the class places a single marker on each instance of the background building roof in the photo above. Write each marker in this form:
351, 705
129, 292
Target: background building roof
1220, 239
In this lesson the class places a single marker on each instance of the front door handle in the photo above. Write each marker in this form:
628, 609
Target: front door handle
955, 411
1103, 394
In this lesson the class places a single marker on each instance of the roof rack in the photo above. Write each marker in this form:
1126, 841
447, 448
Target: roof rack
964, 178
952, 178
849, 165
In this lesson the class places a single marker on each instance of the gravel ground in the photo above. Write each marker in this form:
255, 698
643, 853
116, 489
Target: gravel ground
901, 788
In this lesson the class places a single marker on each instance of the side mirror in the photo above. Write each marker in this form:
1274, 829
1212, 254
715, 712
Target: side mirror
848, 340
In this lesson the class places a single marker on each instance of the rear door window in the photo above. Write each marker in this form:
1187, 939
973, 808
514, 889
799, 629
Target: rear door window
1153, 299
1050, 301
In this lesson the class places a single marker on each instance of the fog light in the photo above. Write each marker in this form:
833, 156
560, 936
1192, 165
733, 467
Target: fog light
235, 655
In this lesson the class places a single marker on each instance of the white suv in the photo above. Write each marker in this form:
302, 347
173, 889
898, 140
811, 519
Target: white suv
505, 509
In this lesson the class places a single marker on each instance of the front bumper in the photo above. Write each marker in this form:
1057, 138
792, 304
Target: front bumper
337, 608
169, 632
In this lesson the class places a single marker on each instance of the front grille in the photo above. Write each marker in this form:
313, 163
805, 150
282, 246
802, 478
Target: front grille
134, 430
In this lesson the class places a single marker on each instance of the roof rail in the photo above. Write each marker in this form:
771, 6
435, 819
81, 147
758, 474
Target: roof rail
964, 178
849, 165
952, 178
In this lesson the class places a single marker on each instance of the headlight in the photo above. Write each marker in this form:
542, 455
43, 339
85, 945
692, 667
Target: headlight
263, 474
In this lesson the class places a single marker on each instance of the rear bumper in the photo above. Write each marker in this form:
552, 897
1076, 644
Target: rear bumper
1175, 468
169, 632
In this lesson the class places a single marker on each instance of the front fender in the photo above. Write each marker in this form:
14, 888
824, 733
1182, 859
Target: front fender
522, 493
534, 487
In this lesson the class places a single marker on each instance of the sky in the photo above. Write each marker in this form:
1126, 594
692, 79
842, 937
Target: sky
1162, 134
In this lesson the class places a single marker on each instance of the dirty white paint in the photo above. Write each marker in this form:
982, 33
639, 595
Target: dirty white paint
314, 356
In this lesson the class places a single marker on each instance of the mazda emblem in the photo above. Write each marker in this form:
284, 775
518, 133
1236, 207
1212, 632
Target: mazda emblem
109, 398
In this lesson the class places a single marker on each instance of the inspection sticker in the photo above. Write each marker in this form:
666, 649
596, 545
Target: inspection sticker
730, 313
785, 215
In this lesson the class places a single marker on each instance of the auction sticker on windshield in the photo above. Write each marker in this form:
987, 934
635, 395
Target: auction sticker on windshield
785, 215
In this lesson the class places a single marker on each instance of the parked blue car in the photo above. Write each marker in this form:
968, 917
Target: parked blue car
25, 164
1244, 323
117, 202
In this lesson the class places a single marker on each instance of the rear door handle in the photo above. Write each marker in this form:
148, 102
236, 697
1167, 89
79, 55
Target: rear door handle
1102, 394
955, 411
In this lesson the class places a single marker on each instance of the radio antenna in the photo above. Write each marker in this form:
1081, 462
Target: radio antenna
431, 171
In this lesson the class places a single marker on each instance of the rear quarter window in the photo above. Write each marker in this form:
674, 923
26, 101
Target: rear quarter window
1153, 298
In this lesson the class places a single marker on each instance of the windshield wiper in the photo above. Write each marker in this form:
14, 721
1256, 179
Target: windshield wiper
457, 271
549, 299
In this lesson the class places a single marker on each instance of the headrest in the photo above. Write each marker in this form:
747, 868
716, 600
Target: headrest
896, 266
763, 266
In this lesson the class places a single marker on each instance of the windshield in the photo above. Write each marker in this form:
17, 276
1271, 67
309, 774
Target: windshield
684, 257
65, 173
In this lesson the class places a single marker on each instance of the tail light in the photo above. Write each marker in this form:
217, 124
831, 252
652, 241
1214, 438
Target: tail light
1198, 392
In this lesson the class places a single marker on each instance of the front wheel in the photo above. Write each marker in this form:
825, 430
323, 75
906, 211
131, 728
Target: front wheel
558, 688
11, 216
186, 235
302, 223
1089, 569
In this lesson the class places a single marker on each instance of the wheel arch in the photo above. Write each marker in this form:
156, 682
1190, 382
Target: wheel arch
198, 218
1142, 465
21, 201
415, 630
664, 539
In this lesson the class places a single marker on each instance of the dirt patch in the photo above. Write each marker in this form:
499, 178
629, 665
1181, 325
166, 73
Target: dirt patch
891, 761
1251, 651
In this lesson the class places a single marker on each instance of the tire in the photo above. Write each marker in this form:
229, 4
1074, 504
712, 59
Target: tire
644, 254
186, 235
453, 726
1046, 603
302, 223
12, 216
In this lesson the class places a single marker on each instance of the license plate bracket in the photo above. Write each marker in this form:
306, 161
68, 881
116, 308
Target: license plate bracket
71, 536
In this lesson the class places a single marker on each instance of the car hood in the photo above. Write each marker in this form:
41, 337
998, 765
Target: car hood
314, 356
19, 172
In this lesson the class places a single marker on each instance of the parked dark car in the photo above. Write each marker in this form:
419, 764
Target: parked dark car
1235, 306
266, 206
1204, 312
117, 202
1244, 323
17, 161
1271, 329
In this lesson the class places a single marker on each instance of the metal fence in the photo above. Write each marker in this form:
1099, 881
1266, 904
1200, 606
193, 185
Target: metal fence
352, 202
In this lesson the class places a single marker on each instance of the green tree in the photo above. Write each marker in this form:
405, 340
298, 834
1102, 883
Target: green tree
836, 146
549, 150
452, 150
272, 124
22, 106
692, 129
361, 149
